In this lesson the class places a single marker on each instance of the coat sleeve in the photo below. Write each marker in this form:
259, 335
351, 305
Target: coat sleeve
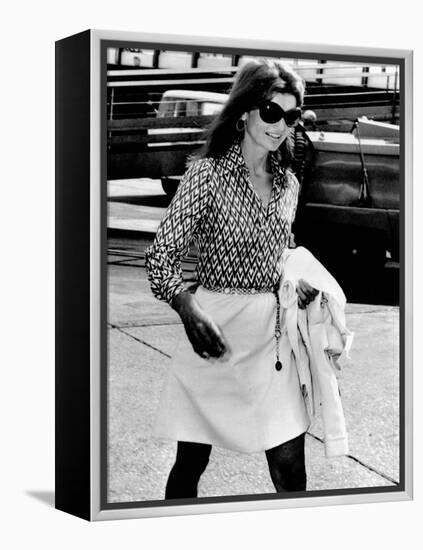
176, 232
334, 426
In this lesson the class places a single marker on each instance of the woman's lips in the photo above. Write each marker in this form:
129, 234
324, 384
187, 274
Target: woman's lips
274, 135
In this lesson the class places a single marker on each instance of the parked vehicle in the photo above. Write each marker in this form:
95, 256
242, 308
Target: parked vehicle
176, 103
181, 103
350, 194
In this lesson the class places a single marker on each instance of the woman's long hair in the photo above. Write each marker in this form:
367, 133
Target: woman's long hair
255, 82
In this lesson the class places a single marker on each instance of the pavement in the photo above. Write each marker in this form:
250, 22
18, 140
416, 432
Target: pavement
142, 334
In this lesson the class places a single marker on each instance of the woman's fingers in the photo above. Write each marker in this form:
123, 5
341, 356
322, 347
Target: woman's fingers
218, 340
215, 342
308, 289
207, 339
302, 298
205, 336
306, 293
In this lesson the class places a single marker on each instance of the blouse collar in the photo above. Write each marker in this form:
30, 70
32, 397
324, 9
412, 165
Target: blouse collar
234, 159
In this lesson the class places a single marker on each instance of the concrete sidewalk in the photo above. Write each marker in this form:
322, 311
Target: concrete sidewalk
142, 335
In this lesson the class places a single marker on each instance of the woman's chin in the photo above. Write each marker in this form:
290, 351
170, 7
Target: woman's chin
274, 144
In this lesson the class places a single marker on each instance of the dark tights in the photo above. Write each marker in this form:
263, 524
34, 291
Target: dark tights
286, 467
191, 461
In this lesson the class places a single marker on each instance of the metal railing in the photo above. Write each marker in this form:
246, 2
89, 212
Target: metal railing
154, 62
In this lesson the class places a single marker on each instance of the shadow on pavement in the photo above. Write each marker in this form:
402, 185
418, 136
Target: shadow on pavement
46, 497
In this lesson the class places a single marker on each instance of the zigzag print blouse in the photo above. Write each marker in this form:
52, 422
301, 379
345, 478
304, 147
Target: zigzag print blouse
240, 242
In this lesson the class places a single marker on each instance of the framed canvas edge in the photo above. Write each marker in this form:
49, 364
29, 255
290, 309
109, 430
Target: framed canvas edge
406, 327
247, 506
407, 257
225, 42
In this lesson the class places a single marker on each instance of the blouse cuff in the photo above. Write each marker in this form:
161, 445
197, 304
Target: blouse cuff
172, 291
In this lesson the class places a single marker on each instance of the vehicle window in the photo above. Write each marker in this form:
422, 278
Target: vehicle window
167, 108
193, 108
209, 108
181, 108
177, 107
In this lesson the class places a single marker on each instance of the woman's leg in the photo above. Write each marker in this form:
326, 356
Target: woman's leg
287, 465
191, 461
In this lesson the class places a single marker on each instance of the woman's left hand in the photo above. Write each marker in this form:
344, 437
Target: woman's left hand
306, 293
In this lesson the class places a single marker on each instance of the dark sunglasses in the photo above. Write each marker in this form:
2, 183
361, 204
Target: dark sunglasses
271, 112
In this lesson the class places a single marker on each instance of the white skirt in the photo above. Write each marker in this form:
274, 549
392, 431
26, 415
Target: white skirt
240, 402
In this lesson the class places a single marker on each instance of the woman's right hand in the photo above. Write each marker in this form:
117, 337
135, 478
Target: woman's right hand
203, 333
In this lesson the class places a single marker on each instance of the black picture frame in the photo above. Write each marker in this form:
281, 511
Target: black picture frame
81, 275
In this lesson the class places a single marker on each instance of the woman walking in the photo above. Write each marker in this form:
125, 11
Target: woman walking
233, 382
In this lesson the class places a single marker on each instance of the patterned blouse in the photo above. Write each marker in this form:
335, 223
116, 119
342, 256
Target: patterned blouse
240, 242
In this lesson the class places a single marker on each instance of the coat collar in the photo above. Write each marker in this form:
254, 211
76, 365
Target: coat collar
233, 159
